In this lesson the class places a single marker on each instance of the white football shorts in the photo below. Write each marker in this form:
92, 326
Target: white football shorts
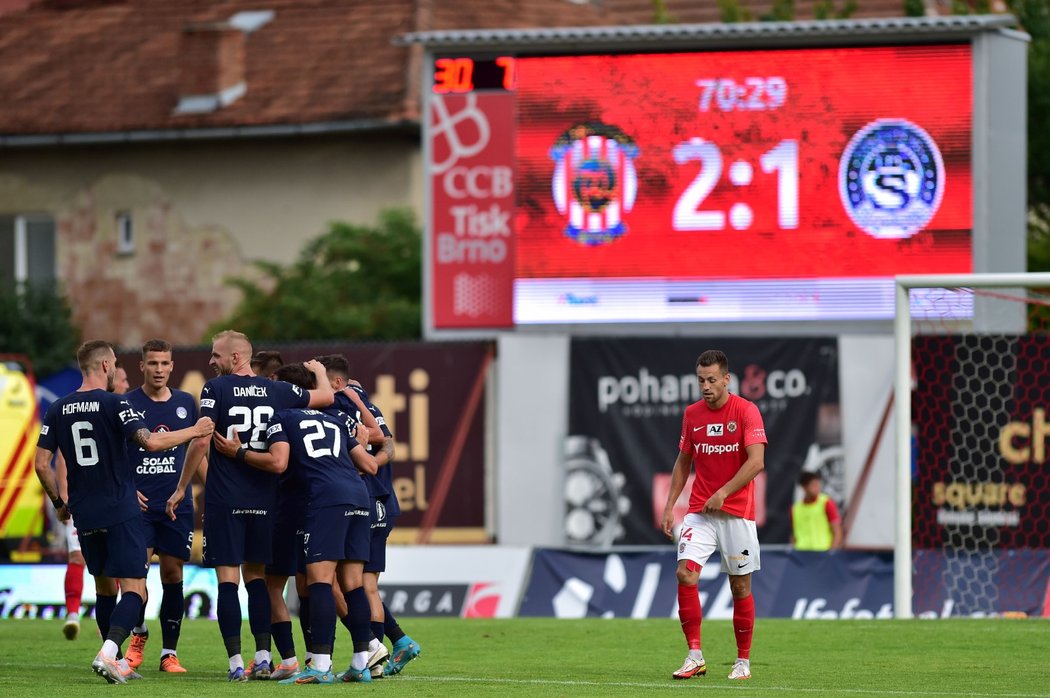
72, 538
735, 539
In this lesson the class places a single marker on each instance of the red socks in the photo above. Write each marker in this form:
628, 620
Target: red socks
74, 586
743, 624
690, 614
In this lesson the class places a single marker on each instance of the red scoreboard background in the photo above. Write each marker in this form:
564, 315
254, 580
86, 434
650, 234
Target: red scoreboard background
684, 187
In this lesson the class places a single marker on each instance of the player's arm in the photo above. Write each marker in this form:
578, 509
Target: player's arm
196, 453
61, 476
679, 476
832, 512
322, 395
273, 460
363, 460
386, 455
164, 440
375, 432
749, 470
42, 465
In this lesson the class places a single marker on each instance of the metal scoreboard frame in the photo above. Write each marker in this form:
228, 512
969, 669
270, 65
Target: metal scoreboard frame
735, 179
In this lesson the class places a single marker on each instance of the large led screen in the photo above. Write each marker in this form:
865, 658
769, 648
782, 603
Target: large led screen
715, 186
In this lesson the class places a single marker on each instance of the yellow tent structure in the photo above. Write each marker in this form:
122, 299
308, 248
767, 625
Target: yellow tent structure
21, 497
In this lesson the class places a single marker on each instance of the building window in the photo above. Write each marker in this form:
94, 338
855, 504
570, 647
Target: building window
27, 249
125, 234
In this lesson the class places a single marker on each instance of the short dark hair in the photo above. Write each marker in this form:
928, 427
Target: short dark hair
335, 364
266, 362
713, 357
155, 345
297, 374
807, 477
89, 354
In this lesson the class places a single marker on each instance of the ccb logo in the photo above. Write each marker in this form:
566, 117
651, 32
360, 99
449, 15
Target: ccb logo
891, 178
594, 181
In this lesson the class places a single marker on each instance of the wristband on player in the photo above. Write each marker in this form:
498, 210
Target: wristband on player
58, 503
241, 451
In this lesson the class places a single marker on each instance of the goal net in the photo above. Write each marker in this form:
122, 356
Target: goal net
973, 482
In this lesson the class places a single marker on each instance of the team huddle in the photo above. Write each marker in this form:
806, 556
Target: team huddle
296, 461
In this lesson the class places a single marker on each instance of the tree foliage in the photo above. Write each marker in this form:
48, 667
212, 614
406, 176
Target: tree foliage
1034, 17
352, 282
37, 322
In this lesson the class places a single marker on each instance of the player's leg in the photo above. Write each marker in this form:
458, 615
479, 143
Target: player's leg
174, 544
738, 544
281, 625
696, 542
287, 538
259, 553
172, 609
325, 532
140, 633
351, 578
119, 552
319, 578
74, 581
377, 651
223, 548
341, 611
303, 590
259, 610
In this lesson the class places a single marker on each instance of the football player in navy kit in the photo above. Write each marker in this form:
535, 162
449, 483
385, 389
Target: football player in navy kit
349, 395
321, 448
92, 427
156, 475
239, 500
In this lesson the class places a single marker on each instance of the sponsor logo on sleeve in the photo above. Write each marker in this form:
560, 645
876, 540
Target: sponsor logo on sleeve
207, 403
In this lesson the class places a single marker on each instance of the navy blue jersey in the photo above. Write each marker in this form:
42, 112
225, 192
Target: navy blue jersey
381, 485
92, 429
319, 450
245, 405
157, 474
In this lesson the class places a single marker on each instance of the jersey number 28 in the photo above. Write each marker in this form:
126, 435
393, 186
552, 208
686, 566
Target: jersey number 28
254, 419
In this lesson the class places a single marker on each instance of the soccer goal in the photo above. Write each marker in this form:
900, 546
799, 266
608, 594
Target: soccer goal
972, 392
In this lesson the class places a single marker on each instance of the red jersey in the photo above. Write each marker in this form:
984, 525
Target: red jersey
717, 440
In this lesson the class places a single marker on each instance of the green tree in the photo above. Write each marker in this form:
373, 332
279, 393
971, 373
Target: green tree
36, 321
352, 282
1034, 18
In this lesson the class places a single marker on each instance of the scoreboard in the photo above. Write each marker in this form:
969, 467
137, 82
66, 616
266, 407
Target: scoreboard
729, 185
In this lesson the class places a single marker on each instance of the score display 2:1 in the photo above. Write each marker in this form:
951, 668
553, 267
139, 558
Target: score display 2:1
689, 214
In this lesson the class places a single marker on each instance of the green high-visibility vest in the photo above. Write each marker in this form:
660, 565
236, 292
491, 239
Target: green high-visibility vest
811, 526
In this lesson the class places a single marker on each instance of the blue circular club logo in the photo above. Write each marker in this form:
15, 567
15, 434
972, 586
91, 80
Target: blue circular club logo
891, 178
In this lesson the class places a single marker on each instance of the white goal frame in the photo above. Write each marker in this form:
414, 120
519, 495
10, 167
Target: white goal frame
902, 328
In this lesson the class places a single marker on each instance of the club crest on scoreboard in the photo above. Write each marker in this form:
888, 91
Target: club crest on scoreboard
891, 178
594, 182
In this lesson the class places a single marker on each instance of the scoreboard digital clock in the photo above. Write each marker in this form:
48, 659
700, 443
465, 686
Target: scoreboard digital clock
729, 185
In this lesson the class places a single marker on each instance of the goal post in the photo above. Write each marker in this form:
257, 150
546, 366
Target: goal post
987, 319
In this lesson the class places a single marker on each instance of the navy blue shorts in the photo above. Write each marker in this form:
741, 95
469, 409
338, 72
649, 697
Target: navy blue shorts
288, 557
336, 533
235, 535
381, 526
173, 538
117, 551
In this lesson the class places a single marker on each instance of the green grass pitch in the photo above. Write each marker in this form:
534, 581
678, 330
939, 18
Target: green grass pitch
593, 657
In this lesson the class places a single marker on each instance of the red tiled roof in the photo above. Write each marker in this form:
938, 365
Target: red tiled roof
85, 66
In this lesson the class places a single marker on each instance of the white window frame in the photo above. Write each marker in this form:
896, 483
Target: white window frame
125, 233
